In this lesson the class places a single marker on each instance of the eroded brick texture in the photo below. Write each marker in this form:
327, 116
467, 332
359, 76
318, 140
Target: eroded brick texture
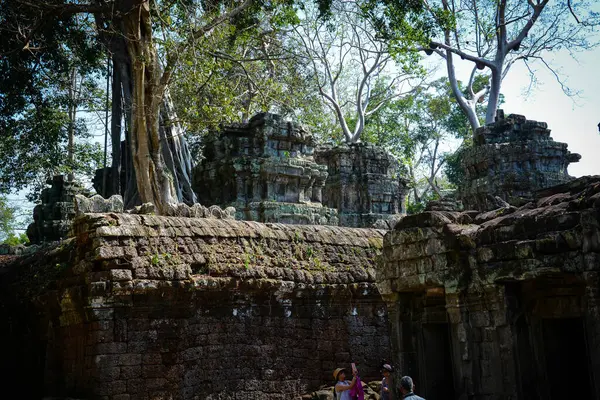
147, 307
501, 304
365, 184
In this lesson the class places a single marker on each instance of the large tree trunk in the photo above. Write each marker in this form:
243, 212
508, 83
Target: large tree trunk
154, 182
155, 163
494, 96
73, 99
121, 156
468, 109
175, 151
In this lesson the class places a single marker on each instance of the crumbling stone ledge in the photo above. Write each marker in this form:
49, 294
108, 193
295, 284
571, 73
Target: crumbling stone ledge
184, 249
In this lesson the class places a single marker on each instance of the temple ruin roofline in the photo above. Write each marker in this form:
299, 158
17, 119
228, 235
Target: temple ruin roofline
269, 169
509, 298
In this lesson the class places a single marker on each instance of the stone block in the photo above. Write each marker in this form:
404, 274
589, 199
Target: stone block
111, 388
97, 204
131, 372
111, 348
120, 275
109, 252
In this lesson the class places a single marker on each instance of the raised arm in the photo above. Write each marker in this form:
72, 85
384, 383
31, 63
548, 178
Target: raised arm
340, 387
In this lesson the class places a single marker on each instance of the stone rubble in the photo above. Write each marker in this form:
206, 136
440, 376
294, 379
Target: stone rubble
52, 218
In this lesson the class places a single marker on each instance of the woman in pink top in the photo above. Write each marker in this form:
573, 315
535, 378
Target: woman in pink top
342, 386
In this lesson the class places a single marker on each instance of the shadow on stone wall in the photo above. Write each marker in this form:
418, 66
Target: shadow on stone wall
500, 304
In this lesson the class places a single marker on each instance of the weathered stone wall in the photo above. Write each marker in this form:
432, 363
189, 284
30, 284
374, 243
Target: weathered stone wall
506, 302
365, 184
147, 307
512, 158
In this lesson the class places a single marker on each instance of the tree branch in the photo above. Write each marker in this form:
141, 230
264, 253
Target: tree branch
537, 10
464, 55
174, 56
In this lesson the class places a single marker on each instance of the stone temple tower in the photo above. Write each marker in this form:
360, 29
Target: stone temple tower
266, 170
511, 159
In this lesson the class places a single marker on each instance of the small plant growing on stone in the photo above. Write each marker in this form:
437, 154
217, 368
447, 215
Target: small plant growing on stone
298, 251
309, 252
155, 260
247, 261
317, 263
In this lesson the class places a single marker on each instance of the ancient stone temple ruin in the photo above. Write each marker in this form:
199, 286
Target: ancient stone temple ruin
266, 170
512, 158
365, 184
52, 218
502, 304
476, 304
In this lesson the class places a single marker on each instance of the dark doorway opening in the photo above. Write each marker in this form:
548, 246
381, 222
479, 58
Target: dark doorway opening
439, 381
526, 373
566, 358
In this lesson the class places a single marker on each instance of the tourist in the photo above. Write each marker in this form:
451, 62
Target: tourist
386, 382
342, 387
407, 388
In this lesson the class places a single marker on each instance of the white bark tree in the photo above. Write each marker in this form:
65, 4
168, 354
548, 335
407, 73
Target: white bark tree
496, 34
352, 67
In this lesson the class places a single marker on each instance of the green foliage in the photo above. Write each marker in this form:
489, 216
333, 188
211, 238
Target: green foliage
8, 224
415, 207
37, 91
350, 65
13, 239
417, 129
34, 148
453, 168
413, 122
241, 69
40, 57
7, 219
402, 22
